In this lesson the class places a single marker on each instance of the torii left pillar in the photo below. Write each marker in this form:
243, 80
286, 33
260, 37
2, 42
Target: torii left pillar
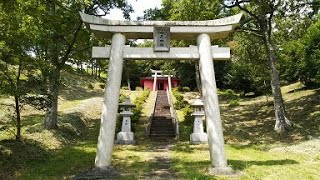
111, 102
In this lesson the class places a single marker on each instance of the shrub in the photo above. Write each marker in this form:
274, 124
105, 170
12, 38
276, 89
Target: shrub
137, 111
188, 119
125, 88
139, 88
180, 102
102, 85
185, 89
231, 97
233, 103
90, 86
122, 97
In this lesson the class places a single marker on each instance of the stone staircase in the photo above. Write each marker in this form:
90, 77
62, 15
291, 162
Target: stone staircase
161, 125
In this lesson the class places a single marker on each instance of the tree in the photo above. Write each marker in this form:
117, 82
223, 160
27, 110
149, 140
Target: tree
59, 31
15, 58
246, 73
259, 22
300, 57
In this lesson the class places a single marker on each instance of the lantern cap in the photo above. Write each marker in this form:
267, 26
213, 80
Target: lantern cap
127, 103
197, 103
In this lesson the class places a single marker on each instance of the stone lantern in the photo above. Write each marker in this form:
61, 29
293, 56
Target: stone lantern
198, 136
126, 136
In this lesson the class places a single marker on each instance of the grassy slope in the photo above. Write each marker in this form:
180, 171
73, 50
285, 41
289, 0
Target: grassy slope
252, 146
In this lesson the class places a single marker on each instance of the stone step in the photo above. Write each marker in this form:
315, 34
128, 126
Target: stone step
161, 125
164, 123
162, 132
162, 135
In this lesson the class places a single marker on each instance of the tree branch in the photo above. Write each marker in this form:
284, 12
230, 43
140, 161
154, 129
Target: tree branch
70, 46
238, 4
250, 31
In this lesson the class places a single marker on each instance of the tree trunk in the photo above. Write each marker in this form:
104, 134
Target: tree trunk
198, 80
92, 68
52, 112
18, 125
128, 82
17, 103
282, 123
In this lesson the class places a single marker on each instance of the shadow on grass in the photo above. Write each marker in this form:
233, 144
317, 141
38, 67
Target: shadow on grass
241, 164
132, 166
15, 155
192, 170
253, 124
72, 127
63, 164
80, 93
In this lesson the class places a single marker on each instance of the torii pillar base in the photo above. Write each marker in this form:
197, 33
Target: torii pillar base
108, 172
221, 171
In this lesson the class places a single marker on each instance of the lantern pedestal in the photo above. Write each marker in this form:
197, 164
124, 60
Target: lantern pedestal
198, 136
125, 136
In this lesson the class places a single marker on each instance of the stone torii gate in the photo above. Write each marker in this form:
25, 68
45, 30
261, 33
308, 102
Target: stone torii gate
162, 32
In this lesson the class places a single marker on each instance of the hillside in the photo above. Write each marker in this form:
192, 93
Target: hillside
252, 145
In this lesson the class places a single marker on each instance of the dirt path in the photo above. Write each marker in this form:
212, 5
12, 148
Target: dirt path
162, 161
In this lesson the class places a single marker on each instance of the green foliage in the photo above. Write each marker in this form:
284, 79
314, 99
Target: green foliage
184, 89
122, 97
233, 102
180, 102
191, 10
300, 58
125, 88
90, 86
188, 118
247, 72
231, 97
102, 85
137, 111
49, 33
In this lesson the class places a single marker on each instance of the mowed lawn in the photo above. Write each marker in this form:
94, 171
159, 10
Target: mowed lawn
253, 148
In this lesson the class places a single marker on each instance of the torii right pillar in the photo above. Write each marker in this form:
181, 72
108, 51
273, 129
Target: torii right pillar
211, 106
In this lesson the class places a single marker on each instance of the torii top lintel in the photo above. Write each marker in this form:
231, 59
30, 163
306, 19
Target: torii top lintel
182, 30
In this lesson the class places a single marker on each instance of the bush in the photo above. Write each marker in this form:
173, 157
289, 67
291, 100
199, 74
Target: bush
231, 97
122, 97
188, 119
139, 88
230, 94
102, 85
139, 102
185, 89
90, 86
180, 102
125, 88
233, 103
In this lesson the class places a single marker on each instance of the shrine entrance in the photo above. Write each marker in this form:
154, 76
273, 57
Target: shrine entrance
162, 32
160, 86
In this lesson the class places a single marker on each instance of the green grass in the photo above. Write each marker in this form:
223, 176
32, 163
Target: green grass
62, 164
254, 162
252, 147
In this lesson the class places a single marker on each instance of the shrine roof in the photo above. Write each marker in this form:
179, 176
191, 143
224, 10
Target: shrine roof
159, 78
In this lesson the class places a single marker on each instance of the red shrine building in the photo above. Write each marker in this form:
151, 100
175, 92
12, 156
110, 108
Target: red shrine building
158, 81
